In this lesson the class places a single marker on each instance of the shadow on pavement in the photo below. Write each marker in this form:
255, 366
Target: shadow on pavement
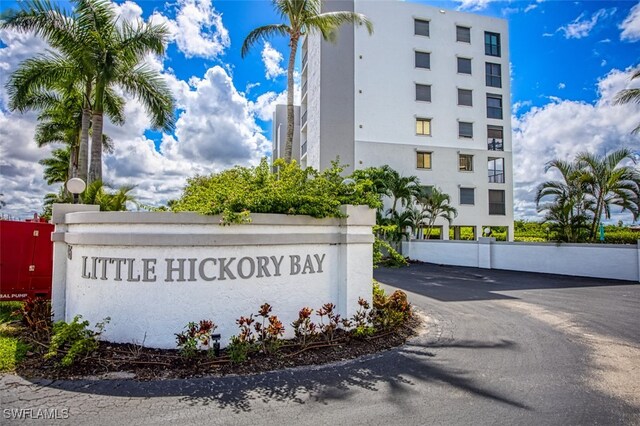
459, 283
403, 370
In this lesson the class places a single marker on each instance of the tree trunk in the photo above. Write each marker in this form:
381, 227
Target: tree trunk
288, 149
83, 149
95, 169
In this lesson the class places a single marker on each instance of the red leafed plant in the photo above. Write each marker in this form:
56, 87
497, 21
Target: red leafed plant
268, 334
328, 330
35, 314
304, 328
196, 336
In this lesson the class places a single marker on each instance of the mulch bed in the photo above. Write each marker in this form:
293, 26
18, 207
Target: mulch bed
150, 364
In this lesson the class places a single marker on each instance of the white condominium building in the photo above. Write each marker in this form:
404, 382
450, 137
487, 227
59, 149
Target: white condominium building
428, 94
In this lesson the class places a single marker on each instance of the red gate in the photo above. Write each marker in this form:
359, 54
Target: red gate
26, 259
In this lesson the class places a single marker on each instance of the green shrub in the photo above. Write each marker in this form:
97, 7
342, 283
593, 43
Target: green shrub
389, 311
290, 190
74, 340
195, 336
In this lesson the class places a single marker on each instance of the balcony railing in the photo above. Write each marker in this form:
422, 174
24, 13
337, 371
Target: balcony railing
304, 60
496, 177
303, 149
304, 89
303, 120
495, 144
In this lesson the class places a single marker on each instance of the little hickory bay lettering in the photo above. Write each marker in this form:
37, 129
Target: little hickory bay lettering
194, 269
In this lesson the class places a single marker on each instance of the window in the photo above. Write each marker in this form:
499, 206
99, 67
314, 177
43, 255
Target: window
496, 170
465, 97
421, 27
426, 190
463, 34
424, 160
465, 162
494, 106
493, 74
495, 140
467, 196
423, 92
496, 202
492, 44
464, 65
423, 126
465, 130
423, 60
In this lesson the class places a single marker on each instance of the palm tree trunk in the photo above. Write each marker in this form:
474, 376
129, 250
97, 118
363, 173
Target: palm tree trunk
95, 169
288, 149
83, 148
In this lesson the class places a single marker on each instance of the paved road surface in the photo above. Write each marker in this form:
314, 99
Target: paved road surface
501, 348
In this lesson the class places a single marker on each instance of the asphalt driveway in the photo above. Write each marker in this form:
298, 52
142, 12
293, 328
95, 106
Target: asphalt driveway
500, 348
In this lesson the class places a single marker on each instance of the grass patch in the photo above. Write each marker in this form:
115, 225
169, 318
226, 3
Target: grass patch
12, 349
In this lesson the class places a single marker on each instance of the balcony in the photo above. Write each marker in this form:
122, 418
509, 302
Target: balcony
303, 91
304, 60
303, 149
303, 119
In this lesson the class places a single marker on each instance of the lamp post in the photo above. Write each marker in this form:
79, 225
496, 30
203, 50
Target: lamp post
547, 229
76, 186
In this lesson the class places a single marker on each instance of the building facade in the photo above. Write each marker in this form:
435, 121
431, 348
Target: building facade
427, 94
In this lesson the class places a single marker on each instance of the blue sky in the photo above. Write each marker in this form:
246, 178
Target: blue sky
568, 59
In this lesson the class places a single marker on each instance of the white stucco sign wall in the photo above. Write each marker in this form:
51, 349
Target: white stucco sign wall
152, 273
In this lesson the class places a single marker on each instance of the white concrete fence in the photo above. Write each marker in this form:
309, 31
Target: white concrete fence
152, 273
613, 261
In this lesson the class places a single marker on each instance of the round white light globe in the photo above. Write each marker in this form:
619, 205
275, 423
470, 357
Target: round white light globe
76, 185
487, 230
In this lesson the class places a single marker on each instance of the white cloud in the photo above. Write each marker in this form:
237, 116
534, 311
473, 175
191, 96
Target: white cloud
198, 30
509, 10
631, 25
530, 7
473, 5
603, 63
272, 59
581, 27
562, 129
561, 85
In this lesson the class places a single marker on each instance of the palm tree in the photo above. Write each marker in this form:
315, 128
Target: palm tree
304, 17
568, 210
436, 204
610, 184
630, 95
38, 75
56, 167
97, 193
113, 50
96, 53
401, 188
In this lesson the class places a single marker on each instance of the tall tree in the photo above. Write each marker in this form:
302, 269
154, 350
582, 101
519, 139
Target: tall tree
66, 66
436, 204
630, 96
302, 17
610, 184
100, 52
114, 51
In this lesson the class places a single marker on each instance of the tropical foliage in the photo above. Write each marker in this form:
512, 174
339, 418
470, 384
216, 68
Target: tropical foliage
627, 96
591, 186
301, 17
290, 190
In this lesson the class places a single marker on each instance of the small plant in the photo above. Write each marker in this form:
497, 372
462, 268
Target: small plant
241, 345
361, 320
35, 314
196, 336
304, 329
268, 334
389, 311
329, 329
74, 339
